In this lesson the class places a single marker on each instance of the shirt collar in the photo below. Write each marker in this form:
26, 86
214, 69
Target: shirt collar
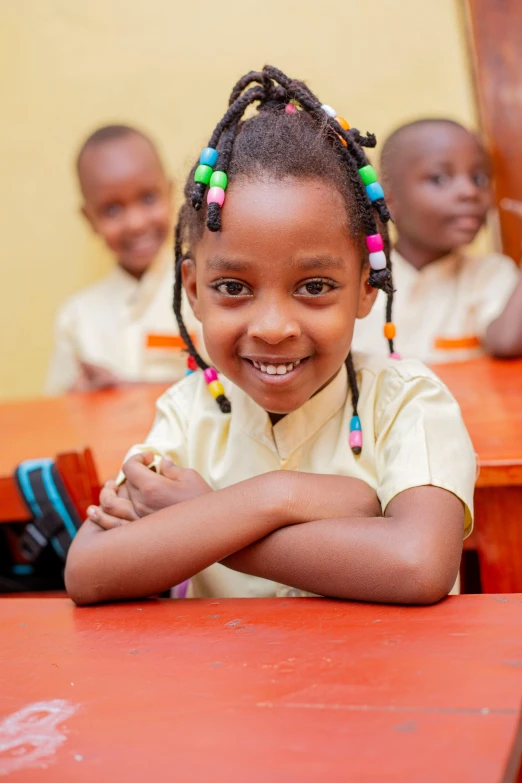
407, 271
295, 428
138, 294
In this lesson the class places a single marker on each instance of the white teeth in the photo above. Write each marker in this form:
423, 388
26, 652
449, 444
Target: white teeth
276, 369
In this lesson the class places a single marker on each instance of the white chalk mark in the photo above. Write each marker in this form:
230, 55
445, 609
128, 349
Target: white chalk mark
29, 736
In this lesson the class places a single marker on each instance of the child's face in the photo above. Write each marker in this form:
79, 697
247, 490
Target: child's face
281, 283
127, 199
439, 193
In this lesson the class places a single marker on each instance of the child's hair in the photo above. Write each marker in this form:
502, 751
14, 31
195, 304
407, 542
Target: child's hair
292, 135
108, 133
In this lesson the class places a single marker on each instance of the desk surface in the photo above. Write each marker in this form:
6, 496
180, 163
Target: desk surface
489, 392
295, 690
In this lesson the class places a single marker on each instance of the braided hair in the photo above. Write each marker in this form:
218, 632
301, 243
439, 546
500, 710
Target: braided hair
304, 142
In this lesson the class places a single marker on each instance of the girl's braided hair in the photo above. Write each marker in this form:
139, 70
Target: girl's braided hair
276, 143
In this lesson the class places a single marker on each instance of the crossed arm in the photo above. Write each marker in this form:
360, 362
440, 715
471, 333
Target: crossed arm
320, 533
504, 335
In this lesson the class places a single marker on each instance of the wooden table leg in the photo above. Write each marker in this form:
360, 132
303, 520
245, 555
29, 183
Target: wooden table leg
498, 530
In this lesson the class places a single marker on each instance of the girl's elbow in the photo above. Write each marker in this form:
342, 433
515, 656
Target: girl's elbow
428, 580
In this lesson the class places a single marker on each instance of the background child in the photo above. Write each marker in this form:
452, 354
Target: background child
315, 471
121, 328
450, 306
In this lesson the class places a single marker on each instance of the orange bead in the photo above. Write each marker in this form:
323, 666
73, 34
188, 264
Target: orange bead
342, 122
343, 141
389, 330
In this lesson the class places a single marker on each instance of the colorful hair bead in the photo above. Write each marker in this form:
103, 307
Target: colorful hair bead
378, 260
329, 111
191, 363
374, 243
368, 174
342, 122
355, 423
210, 375
219, 180
290, 108
395, 355
389, 330
203, 174
356, 441
216, 389
216, 196
209, 157
374, 191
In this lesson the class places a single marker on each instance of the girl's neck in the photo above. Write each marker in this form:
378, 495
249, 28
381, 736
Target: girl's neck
416, 254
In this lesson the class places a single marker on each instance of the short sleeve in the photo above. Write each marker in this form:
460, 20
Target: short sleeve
63, 367
496, 278
421, 439
168, 435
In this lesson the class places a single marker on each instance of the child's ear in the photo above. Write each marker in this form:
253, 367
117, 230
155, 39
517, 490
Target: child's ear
84, 209
367, 294
188, 274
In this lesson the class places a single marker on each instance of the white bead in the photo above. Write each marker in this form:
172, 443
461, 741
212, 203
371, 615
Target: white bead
378, 260
328, 109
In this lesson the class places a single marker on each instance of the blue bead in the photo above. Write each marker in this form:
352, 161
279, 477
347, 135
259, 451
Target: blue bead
208, 157
355, 423
189, 372
374, 191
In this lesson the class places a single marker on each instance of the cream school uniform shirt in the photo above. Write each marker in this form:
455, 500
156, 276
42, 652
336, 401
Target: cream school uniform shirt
124, 325
443, 310
412, 428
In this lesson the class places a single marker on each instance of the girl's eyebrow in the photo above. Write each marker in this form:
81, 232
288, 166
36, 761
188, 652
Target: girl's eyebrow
235, 265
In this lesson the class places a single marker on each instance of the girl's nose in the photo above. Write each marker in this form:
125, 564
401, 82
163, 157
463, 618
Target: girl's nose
273, 324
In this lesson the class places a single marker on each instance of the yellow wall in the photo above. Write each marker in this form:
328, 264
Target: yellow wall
168, 65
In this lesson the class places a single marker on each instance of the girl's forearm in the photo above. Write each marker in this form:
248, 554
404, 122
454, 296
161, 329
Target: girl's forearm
504, 336
152, 554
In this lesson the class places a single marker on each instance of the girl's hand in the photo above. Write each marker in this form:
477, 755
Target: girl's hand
150, 491
115, 508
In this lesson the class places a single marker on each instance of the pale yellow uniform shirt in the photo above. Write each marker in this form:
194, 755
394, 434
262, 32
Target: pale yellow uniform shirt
412, 428
443, 310
125, 325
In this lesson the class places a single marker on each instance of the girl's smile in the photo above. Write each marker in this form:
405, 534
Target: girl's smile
278, 289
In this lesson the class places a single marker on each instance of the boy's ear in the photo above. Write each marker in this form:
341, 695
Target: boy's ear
188, 275
84, 209
367, 294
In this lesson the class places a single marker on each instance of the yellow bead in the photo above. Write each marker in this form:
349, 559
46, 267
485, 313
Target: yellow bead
342, 122
389, 330
216, 389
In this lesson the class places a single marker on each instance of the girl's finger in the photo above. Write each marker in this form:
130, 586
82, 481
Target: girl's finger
116, 506
103, 520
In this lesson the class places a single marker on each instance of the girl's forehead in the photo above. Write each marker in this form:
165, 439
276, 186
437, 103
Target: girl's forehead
291, 214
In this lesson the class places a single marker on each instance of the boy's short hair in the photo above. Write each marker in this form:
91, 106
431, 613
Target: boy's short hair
109, 133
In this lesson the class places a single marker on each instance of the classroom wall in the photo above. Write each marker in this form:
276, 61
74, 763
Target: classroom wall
68, 66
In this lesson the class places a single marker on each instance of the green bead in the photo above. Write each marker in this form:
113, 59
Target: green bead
219, 180
368, 175
203, 174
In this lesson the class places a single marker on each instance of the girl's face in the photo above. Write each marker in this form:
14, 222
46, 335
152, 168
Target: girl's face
278, 289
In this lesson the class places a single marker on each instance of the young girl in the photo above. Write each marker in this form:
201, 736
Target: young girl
301, 468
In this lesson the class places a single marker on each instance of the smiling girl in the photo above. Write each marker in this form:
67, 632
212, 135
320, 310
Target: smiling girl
299, 468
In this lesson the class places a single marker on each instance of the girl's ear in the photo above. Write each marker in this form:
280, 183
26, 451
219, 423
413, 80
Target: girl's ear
367, 294
188, 275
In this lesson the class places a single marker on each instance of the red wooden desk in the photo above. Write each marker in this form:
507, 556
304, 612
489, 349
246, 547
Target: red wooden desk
490, 395
296, 690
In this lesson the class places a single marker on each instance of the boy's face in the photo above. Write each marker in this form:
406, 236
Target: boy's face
127, 199
438, 187
278, 289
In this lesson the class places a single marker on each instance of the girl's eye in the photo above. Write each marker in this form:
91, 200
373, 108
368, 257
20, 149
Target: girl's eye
481, 179
232, 288
315, 288
112, 210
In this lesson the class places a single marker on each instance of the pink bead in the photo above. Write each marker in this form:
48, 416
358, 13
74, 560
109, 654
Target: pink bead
374, 243
355, 439
395, 355
210, 375
216, 196
290, 108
